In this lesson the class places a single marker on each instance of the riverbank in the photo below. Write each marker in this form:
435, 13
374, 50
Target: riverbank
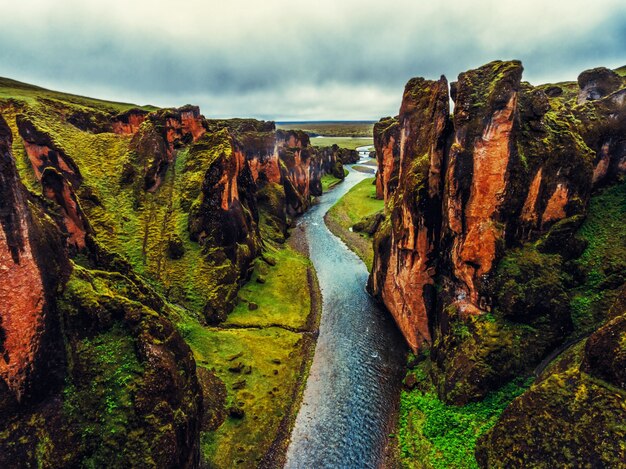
357, 204
276, 455
354, 380
261, 354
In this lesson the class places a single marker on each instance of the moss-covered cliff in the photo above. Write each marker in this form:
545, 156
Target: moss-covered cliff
128, 233
501, 249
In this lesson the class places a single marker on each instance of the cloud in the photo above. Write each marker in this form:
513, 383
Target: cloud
292, 59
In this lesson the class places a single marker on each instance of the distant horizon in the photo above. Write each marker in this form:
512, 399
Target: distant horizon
277, 121
296, 61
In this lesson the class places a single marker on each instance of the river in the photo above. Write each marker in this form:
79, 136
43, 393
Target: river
353, 386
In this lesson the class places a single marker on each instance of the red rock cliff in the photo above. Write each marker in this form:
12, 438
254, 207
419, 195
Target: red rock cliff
404, 265
509, 165
33, 264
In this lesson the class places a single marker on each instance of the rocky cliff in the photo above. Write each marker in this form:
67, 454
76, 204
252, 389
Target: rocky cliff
120, 226
484, 258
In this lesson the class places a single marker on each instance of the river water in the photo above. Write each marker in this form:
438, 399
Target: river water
354, 381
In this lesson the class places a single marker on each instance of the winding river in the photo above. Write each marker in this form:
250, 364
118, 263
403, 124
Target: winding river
352, 389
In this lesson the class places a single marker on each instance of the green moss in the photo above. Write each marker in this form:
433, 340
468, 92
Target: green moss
329, 181
529, 284
119, 347
603, 263
283, 298
557, 422
359, 202
432, 434
530, 317
197, 160
108, 397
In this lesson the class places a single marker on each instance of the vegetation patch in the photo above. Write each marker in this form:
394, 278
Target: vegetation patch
329, 181
433, 434
603, 263
358, 203
331, 129
342, 142
261, 354
275, 295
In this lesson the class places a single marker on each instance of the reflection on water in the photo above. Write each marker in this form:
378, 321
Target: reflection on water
356, 372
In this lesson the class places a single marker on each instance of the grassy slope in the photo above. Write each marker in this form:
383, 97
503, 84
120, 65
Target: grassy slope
14, 89
332, 129
433, 434
283, 299
342, 142
329, 181
359, 202
271, 354
137, 226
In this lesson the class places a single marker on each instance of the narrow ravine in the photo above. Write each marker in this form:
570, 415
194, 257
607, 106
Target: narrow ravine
353, 385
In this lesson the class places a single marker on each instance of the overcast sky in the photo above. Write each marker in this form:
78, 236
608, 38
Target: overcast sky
295, 60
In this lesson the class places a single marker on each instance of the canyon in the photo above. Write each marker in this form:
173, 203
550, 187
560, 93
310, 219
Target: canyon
127, 234
160, 303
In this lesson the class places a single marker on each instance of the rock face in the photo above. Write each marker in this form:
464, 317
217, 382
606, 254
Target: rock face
226, 215
387, 143
497, 175
404, 268
43, 153
128, 122
477, 257
597, 83
54, 332
295, 153
116, 228
33, 265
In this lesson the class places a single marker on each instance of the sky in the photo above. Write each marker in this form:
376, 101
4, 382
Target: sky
295, 60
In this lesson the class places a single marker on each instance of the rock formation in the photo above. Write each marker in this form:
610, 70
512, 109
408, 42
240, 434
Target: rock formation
405, 278
34, 265
479, 257
112, 223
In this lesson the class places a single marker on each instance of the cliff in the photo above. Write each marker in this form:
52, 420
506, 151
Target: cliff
484, 258
122, 229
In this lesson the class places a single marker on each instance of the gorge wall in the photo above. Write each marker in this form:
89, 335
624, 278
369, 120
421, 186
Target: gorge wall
116, 221
490, 254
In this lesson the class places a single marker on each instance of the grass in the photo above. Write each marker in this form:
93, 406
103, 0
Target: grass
12, 89
283, 299
332, 129
359, 202
329, 181
115, 368
342, 142
435, 435
368, 169
274, 356
272, 352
